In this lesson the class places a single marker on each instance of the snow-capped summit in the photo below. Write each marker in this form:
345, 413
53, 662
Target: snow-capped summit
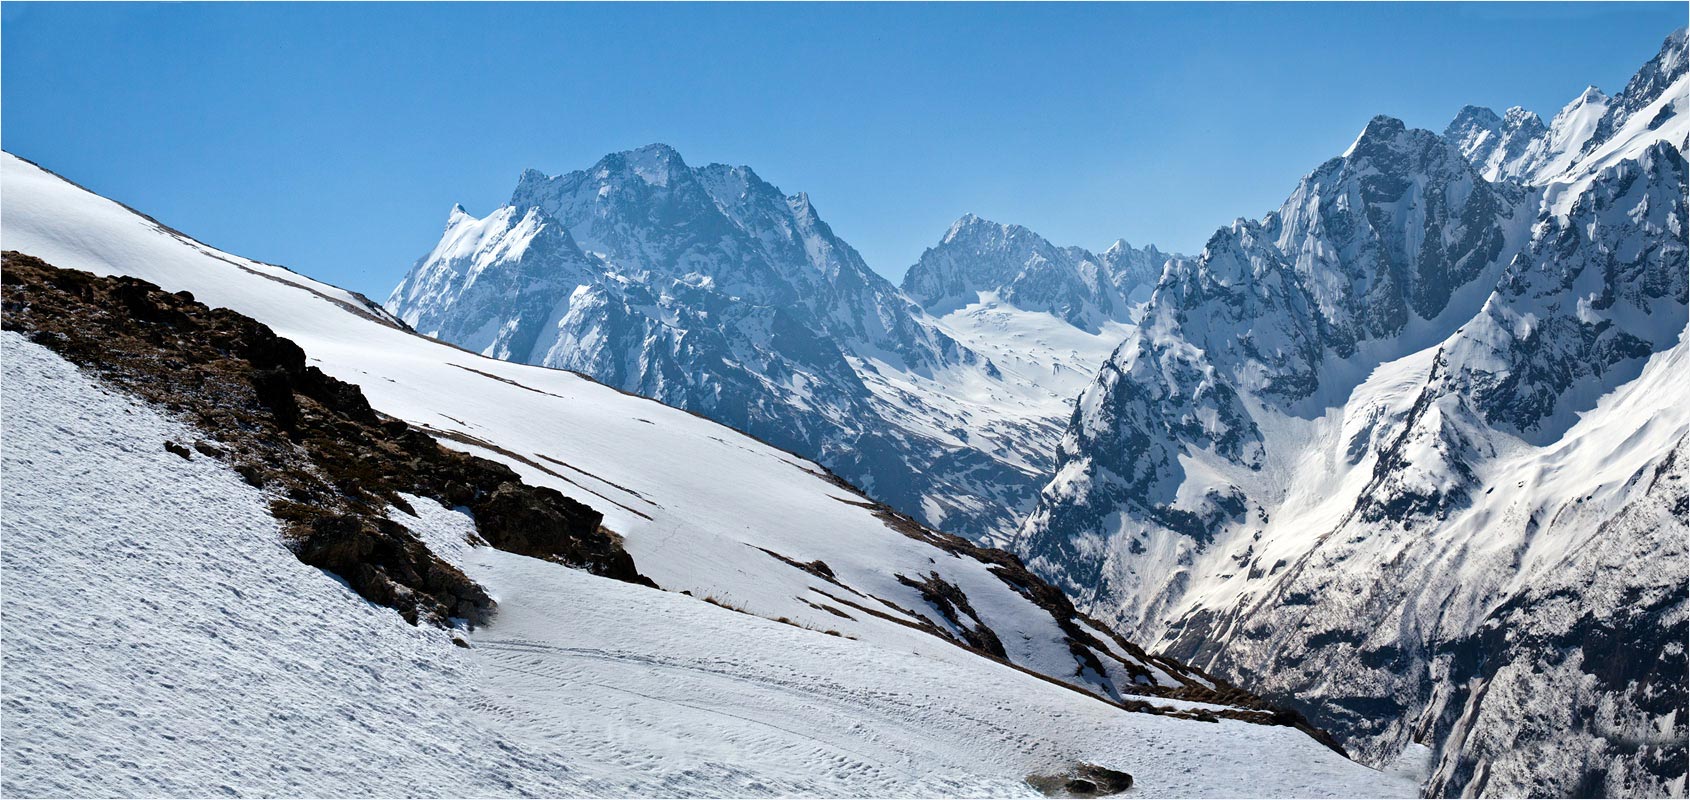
710, 289
650, 215
1472, 123
1382, 236
1567, 134
1497, 146
492, 283
1591, 133
1662, 77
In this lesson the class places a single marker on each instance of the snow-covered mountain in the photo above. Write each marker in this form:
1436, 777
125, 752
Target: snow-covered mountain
1519, 146
1024, 269
1410, 448
710, 290
161, 639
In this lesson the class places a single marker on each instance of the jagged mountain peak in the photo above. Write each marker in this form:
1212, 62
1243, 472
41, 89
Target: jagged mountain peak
1673, 50
977, 256
523, 225
971, 226
1472, 122
1389, 145
1518, 118
1591, 94
1384, 127
1472, 118
1591, 132
1646, 87
656, 164
1519, 146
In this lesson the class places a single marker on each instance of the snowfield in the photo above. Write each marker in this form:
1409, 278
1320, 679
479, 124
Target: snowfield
159, 639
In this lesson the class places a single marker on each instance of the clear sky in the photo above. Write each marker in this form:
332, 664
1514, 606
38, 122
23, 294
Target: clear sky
334, 138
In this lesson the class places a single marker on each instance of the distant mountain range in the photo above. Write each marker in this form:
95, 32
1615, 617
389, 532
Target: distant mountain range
711, 290
1407, 451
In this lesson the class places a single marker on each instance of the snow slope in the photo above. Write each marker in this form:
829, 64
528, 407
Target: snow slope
1044, 317
1042, 363
161, 640
702, 509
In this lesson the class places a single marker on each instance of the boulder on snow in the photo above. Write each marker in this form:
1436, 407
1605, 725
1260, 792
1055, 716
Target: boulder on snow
1083, 780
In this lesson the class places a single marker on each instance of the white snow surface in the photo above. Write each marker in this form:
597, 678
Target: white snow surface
1633, 137
149, 597
160, 639
1044, 362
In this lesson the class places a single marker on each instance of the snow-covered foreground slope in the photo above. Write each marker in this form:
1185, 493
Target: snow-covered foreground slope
160, 639
701, 508
1410, 450
805, 713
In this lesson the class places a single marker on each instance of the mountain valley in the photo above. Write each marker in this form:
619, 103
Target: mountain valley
646, 483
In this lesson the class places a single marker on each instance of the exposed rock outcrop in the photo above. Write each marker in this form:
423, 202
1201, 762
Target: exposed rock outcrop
332, 465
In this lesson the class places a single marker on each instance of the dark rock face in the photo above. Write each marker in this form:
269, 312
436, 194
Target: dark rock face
955, 608
1084, 780
540, 522
332, 465
1411, 221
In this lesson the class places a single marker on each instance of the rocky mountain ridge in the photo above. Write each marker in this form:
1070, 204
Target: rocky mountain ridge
709, 289
1026, 270
1354, 441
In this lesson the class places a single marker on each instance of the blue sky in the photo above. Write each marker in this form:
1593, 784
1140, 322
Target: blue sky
334, 138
